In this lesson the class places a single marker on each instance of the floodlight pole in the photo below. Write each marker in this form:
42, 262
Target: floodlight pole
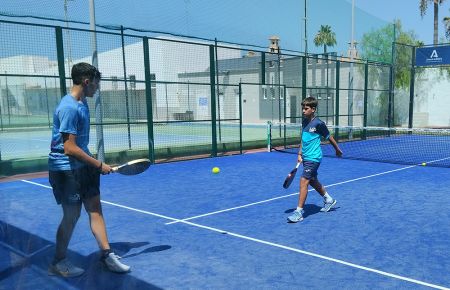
353, 28
98, 105
69, 42
306, 35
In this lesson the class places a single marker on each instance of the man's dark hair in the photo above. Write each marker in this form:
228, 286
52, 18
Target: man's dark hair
310, 102
82, 70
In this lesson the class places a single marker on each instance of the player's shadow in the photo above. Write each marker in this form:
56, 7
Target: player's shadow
122, 248
25, 254
310, 209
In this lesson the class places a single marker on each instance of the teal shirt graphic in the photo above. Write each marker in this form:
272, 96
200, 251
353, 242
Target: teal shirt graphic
72, 117
312, 131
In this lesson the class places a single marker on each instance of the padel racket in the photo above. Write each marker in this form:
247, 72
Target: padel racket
290, 176
132, 167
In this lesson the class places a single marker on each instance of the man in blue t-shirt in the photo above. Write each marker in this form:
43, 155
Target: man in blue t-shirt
310, 154
74, 173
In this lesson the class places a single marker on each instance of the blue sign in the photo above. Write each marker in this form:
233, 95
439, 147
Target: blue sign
203, 101
433, 56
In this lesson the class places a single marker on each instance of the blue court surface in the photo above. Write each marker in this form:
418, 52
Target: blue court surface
181, 227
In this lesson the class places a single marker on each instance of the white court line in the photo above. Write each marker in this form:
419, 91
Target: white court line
295, 193
284, 196
35, 183
437, 160
338, 261
349, 264
383, 273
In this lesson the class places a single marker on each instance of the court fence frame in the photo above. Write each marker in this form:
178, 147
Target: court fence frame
183, 98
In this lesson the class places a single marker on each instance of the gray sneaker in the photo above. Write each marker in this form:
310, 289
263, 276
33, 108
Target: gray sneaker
328, 205
296, 216
65, 269
114, 265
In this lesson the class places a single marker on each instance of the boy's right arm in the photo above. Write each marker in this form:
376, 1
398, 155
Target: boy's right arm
71, 149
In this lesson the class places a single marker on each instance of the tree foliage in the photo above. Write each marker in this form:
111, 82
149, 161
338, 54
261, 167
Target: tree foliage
447, 27
423, 6
325, 37
377, 46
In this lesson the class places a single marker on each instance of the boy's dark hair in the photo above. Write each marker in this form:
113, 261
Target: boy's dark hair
82, 70
310, 102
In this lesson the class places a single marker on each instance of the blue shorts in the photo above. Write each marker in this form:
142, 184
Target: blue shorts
310, 169
72, 186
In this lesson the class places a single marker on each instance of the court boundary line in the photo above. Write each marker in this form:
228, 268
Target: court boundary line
287, 195
295, 193
338, 261
276, 245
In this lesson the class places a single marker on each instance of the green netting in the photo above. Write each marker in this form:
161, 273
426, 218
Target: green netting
166, 98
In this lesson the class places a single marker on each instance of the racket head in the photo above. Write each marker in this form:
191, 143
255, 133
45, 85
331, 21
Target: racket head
133, 167
289, 178
287, 182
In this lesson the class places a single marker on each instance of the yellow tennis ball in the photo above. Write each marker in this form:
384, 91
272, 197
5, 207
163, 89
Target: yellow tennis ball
424, 164
215, 170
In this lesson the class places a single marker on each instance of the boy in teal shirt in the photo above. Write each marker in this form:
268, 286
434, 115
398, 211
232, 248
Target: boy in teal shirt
310, 154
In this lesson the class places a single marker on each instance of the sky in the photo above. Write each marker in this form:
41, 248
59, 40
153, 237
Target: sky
240, 21
408, 12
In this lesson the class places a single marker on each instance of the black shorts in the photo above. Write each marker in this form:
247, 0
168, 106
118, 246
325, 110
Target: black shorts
72, 186
310, 169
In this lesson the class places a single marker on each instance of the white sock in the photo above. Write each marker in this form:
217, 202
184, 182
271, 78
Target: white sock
327, 197
300, 209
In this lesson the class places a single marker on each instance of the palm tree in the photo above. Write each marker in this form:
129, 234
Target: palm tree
325, 37
447, 27
423, 5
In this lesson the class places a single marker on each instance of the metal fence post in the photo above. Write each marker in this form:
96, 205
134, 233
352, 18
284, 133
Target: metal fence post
240, 117
212, 78
411, 87
336, 106
60, 56
263, 68
304, 72
366, 85
127, 103
148, 99
391, 96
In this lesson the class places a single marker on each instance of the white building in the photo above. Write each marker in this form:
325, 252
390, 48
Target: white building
169, 57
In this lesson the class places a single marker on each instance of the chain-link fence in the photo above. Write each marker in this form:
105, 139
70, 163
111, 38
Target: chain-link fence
420, 97
171, 97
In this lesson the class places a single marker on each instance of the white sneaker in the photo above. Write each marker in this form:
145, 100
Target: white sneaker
328, 205
114, 265
65, 268
297, 216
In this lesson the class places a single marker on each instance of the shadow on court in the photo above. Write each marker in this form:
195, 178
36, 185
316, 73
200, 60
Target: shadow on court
24, 259
310, 209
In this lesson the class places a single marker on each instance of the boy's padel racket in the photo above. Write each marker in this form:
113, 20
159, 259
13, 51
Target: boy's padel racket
132, 167
290, 176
